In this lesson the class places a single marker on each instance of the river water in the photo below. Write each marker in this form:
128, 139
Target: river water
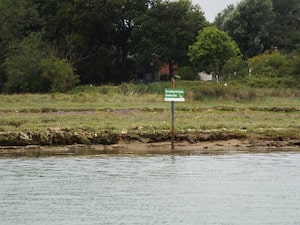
222, 189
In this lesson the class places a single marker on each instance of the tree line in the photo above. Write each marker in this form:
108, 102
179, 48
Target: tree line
55, 45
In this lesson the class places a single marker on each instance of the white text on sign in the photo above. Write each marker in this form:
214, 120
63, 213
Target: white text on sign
176, 95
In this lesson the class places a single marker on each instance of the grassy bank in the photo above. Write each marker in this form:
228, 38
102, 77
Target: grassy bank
128, 112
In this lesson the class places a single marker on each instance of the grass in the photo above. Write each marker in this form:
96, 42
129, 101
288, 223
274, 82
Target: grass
269, 113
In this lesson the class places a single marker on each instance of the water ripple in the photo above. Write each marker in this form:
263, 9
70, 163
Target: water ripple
225, 189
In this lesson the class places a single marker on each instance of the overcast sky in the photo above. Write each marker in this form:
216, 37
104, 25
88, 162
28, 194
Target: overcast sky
213, 7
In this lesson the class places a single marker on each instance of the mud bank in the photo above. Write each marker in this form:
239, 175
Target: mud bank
58, 142
137, 148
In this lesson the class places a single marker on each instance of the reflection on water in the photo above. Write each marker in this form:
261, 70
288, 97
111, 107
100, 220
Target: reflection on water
229, 189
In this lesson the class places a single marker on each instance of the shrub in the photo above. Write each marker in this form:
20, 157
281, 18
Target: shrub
272, 64
211, 91
234, 66
274, 70
271, 82
59, 73
295, 65
187, 73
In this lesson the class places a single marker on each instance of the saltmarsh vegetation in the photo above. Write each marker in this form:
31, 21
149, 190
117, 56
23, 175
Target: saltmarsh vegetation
137, 112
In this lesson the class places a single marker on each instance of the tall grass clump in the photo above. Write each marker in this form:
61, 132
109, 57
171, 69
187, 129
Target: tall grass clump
213, 91
157, 87
262, 81
91, 89
132, 89
83, 89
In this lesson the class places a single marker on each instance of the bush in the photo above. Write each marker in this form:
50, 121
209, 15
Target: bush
187, 73
274, 70
272, 64
295, 65
271, 82
59, 73
231, 92
235, 66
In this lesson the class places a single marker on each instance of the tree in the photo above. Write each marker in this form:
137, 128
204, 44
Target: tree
93, 35
259, 25
18, 19
162, 35
212, 50
22, 66
285, 30
82, 32
221, 17
249, 25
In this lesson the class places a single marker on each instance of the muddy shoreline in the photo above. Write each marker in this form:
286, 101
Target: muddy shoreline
58, 142
214, 147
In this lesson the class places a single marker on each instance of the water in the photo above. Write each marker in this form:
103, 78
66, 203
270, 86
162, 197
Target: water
228, 189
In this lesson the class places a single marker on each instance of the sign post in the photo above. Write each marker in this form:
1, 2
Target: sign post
173, 95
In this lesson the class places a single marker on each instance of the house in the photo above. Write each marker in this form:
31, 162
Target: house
165, 70
162, 74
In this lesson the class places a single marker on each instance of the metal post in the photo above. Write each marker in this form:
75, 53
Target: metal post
173, 125
172, 117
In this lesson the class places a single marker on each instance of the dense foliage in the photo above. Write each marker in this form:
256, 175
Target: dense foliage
274, 70
212, 50
165, 33
53, 45
260, 25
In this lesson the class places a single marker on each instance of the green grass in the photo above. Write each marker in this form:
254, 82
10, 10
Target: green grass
137, 120
107, 108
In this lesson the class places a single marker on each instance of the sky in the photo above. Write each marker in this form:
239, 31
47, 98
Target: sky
212, 7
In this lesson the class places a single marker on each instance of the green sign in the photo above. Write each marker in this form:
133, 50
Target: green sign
174, 95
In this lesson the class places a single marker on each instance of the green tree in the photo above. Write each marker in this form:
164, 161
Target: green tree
22, 66
212, 50
248, 24
221, 17
128, 13
82, 32
285, 30
162, 35
93, 35
18, 20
